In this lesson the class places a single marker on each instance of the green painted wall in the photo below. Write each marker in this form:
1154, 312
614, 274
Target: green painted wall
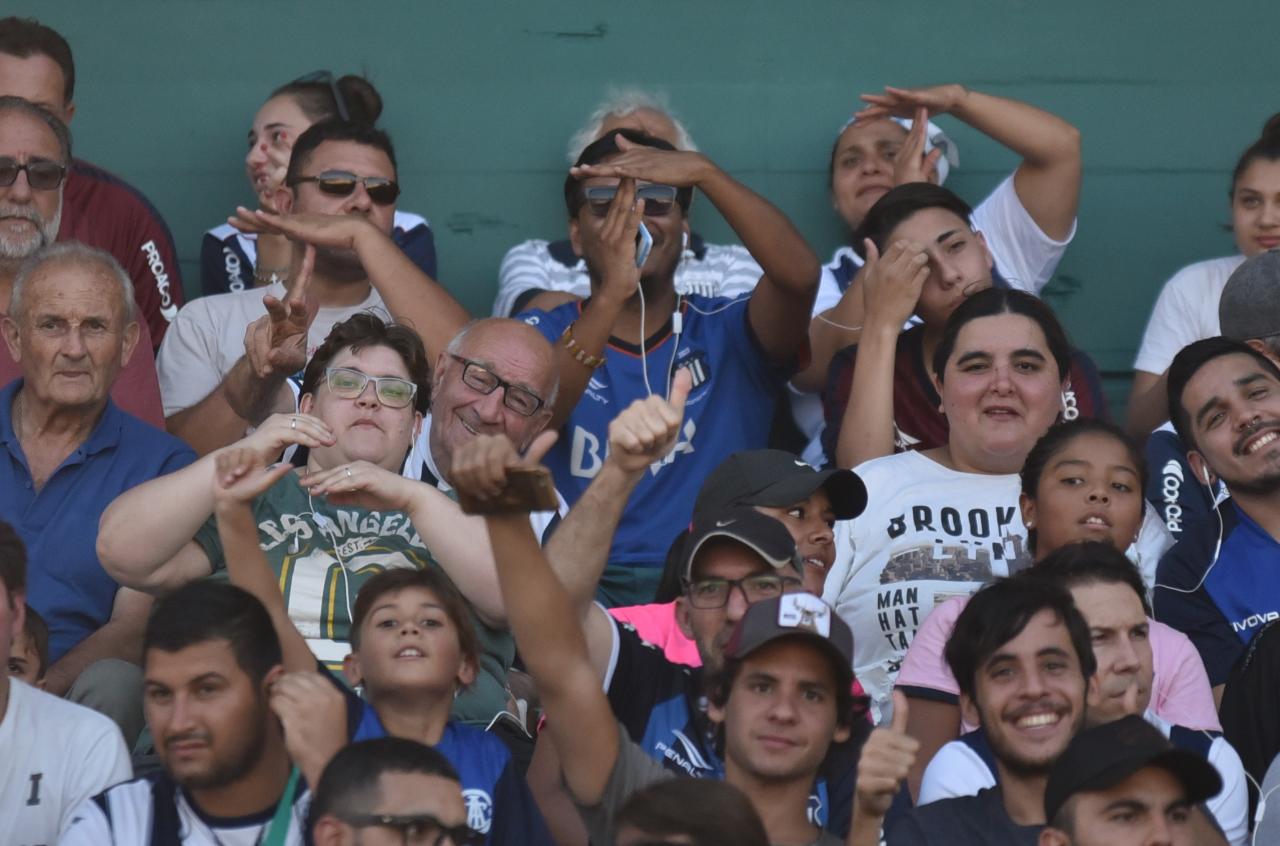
481, 97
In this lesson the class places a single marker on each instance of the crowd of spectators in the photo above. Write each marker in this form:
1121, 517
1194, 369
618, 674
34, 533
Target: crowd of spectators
687, 543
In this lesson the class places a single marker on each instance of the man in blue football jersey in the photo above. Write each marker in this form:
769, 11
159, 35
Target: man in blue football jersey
1217, 583
628, 339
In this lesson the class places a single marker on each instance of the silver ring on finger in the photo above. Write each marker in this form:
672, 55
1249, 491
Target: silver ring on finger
293, 423
348, 472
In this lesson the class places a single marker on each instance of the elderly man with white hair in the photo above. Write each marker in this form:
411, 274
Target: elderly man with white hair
35, 157
542, 275
66, 451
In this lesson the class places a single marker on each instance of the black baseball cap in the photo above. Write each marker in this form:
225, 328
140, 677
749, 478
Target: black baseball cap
1103, 756
792, 615
1249, 307
760, 533
775, 478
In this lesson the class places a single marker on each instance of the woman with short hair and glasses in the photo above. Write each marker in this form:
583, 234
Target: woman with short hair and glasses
231, 260
344, 516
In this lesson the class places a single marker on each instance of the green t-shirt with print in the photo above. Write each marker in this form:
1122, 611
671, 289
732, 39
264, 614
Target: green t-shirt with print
321, 565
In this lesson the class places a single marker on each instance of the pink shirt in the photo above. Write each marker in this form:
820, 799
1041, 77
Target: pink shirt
1181, 693
657, 624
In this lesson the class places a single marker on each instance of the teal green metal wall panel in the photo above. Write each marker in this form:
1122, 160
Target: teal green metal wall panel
481, 97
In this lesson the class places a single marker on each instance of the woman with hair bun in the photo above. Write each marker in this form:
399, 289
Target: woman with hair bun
231, 260
1187, 308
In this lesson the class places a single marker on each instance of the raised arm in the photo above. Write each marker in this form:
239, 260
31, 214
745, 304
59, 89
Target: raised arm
309, 706
783, 299
1048, 178
619, 281
240, 476
275, 348
841, 325
891, 289
145, 536
412, 297
549, 635
579, 548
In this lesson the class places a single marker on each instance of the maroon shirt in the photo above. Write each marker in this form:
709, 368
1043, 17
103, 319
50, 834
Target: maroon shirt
104, 211
136, 389
918, 422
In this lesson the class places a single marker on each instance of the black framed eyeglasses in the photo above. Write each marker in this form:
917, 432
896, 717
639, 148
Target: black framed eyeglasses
658, 199
392, 391
341, 183
418, 829
324, 77
482, 380
42, 174
714, 593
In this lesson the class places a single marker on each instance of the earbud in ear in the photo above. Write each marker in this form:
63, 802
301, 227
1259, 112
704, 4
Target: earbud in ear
684, 240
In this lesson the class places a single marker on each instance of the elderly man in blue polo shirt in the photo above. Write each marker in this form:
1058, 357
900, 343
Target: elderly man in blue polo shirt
66, 451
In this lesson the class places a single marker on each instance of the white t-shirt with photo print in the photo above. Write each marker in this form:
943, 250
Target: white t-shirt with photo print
928, 534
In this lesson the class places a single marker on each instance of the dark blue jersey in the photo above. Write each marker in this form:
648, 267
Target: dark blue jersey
735, 388
1173, 489
1218, 585
227, 257
498, 800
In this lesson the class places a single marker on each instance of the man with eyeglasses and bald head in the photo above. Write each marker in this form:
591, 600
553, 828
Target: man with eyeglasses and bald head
227, 360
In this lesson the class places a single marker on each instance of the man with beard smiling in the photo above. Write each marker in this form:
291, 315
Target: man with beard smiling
211, 659
1021, 654
1217, 584
1109, 593
30, 216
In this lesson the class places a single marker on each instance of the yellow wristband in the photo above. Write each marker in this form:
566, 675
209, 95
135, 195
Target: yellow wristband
580, 355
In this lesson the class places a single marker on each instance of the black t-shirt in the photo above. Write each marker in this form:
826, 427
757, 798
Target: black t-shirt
964, 821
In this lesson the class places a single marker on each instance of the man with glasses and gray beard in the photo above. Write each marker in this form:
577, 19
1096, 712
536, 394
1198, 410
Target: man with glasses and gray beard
226, 361
35, 153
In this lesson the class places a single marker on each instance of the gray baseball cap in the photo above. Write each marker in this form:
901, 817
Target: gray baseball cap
1250, 303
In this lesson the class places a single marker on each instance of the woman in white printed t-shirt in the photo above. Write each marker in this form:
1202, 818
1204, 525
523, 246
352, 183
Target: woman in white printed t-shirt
1082, 481
942, 522
1187, 308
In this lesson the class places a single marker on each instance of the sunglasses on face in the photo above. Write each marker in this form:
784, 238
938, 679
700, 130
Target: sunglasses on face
42, 174
658, 199
341, 183
418, 829
482, 380
392, 391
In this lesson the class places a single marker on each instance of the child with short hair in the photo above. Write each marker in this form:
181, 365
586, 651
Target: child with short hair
29, 654
413, 647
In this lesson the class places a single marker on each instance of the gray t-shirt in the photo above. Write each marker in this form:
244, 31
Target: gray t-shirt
633, 772
964, 821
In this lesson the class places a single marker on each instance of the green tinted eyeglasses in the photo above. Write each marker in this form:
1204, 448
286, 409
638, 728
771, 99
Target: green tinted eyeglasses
418, 829
42, 174
392, 391
341, 183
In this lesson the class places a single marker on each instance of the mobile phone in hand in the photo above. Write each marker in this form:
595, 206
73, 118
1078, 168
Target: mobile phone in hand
644, 243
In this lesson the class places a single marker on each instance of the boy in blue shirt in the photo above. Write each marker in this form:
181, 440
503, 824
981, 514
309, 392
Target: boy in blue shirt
413, 647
